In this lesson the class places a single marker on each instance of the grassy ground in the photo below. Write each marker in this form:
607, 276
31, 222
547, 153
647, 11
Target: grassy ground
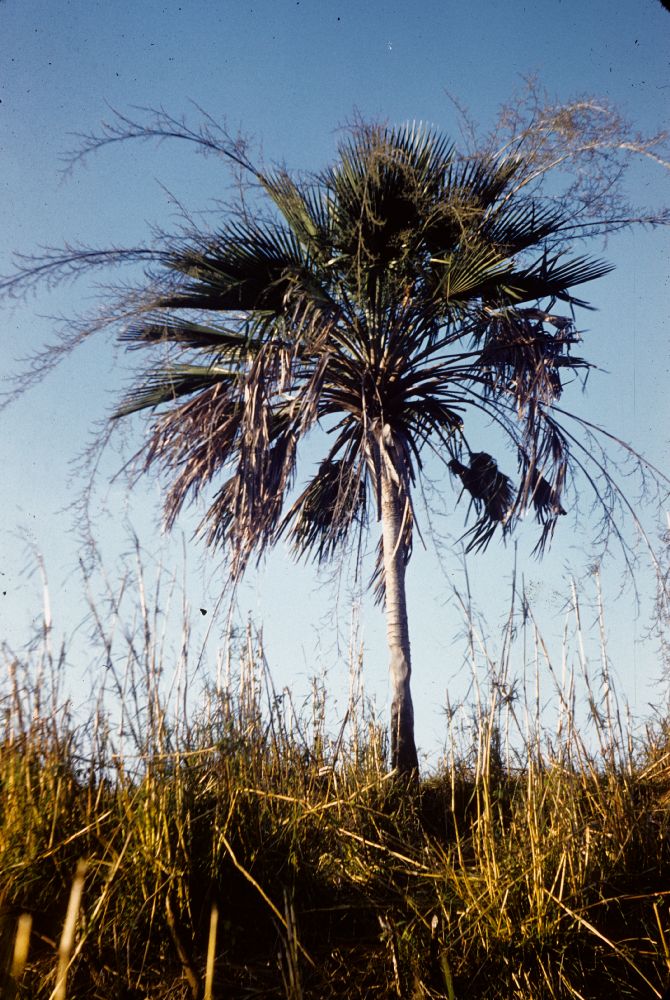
241, 851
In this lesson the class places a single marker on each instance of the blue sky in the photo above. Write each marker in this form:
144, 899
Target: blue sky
289, 74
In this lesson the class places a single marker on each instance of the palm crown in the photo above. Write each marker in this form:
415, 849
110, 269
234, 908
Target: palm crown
386, 300
389, 300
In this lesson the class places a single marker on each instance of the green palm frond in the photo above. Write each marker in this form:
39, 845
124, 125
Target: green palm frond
467, 276
305, 211
517, 225
547, 278
428, 153
245, 268
168, 384
429, 418
165, 328
478, 183
381, 188
461, 216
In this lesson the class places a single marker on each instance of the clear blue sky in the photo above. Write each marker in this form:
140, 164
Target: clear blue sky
289, 73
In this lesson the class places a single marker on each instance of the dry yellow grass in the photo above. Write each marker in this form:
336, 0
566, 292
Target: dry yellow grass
243, 852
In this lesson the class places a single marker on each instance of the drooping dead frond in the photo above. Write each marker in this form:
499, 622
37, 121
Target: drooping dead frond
322, 518
523, 358
492, 496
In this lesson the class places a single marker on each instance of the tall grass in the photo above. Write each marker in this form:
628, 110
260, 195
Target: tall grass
239, 849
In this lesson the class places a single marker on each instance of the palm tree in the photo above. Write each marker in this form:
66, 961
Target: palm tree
386, 301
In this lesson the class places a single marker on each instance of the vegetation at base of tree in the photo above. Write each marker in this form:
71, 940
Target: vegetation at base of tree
241, 850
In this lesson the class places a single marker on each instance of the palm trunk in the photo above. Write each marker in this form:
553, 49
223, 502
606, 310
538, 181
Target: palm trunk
403, 749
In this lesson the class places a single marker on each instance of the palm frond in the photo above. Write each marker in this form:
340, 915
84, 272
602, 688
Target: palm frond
522, 357
468, 276
544, 467
305, 211
166, 328
517, 225
247, 267
492, 496
548, 278
246, 512
168, 384
478, 182
321, 519
380, 190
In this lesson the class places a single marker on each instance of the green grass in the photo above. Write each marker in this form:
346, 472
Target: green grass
242, 851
